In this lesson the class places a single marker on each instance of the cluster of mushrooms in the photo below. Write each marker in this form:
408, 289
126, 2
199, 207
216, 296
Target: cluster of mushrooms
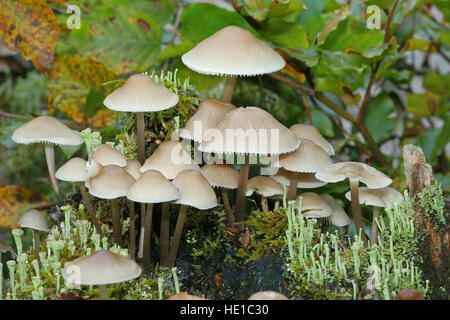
299, 157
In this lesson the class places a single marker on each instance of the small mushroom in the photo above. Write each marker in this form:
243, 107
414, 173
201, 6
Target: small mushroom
106, 155
305, 131
305, 180
268, 295
338, 216
313, 206
34, 220
185, 296
267, 187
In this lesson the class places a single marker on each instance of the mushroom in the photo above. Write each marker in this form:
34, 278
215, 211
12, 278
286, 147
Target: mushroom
305, 131
34, 220
195, 192
223, 176
111, 183
106, 155
185, 296
267, 187
246, 131
305, 180
101, 268
409, 294
75, 170
378, 198
268, 295
152, 187
140, 94
233, 51
48, 131
355, 172
338, 216
313, 206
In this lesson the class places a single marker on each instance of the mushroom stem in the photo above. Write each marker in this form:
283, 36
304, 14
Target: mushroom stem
132, 245
50, 157
229, 88
242, 188
226, 204
292, 191
141, 235
356, 210
103, 295
140, 124
164, 234
177, 236
264, 205
277, 205
147, 236
90, 210
374, 233
37, 246
117, 225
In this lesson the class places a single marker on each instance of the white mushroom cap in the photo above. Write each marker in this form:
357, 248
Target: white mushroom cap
195, 190
133, 167
153, 187
93, 168
313, 206
306, 180
368, 175
170, 159
305, 131
383, 198
266, 186
106, 155
33, 219
46, 129
112, 182
268, 295
140, 94
221, 175
249, 130
338, 216
102, 267
74, 170
233, 51
209, 113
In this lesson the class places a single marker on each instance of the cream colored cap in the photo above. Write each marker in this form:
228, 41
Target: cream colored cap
313, 206
140, 94
359, 171
221, 175
306, 180
33, 219
46, 129
383, 198
93, 168
195, 190
233, 51
112, 182
153, 187
102, 267
266, 186
74, 170
338, 216
170, 159
249, 130
106, 155
305, 131
133, 167
268, 295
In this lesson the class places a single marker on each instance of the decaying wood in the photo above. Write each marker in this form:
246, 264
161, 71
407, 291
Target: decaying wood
418, 172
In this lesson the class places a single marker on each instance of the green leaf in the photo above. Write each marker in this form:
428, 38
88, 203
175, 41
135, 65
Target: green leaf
427, 141
94, 100
332, 24
442, 138
200, 81
339, 61
309, 56
322, 123
172, 51
262, 9
437, 83
314, 9
423, 104
384, 4
377, 116
285, 34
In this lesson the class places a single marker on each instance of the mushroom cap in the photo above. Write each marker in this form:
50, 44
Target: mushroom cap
112, 182
309, 157
46, 129
195, 190
140, 94
338, 216
106, 155
133, 167
74, 170
368, 175
185, 296
313, 206
233, 51
249, 130
306, 180
93, 168
33, 219
221, 175
153, 187
383, 198
268, 295
170, 159
209, 113
305, 131
266, 186
102, 267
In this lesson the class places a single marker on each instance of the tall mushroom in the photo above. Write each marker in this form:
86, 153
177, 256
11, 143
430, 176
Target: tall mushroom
35, 221
140, 94
48, 131
132, 168
306, 131
266, 186
233, 51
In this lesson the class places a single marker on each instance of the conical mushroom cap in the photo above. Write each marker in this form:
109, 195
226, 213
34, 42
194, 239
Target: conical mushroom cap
268, 295
133, 167
313, 206
74, 170
383, 198
112, 182
101, 267
33, 219
359, 171
140, 94
195, 190
249, 130
46, 129
233, 51
153, 187
306, 180
221, 175
209, 113
106, 155
338, 216
266, 186
305, 131
170, 159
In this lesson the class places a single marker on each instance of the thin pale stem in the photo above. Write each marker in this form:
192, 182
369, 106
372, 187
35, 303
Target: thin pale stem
374, 232
140, 124
164, 234
292, 191
103, 294
277, 204
226, 204
229, 88
141, 235
177, 236
242, 189
90, 210
356, 210
117, 225
264, 205
37, 246
132, 246
147, 236
50, 158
